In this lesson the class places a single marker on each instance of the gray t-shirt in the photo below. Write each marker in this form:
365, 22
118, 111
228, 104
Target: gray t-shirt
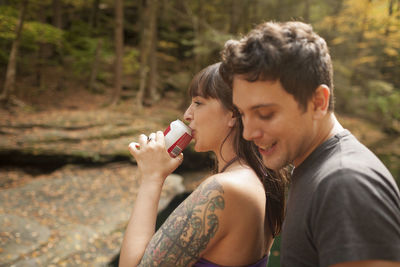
343, 205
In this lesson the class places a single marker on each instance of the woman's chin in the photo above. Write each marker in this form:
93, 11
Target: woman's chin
198, 148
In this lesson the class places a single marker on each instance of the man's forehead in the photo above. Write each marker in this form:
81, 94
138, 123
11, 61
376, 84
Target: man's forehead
253, 95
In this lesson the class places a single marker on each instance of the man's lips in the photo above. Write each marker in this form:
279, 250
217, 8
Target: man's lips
267, 150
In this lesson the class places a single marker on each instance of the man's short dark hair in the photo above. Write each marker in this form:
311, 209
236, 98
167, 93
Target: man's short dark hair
290, 52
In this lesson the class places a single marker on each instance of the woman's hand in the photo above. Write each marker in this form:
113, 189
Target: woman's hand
152, 158
155, 164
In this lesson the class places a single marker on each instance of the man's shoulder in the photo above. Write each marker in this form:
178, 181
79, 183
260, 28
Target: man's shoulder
349, 158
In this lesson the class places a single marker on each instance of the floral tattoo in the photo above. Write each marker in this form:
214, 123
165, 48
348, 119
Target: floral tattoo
188, 230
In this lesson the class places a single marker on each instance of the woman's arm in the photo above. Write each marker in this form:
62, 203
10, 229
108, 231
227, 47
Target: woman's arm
184, 237
190, 229
141, 224
155, 165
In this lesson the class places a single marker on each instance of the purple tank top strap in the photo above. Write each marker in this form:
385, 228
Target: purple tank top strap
205, 263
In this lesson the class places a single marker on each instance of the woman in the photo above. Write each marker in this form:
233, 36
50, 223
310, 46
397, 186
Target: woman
231, 218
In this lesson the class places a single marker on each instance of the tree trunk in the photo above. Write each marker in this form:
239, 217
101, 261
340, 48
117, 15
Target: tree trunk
9, 84
153, 74
58, 49
197, 32
40, 53
390, 14
306, 13
94, 15
364, 23
145, 46
235, 16
119, 43
95, 66
57, 14
398, 8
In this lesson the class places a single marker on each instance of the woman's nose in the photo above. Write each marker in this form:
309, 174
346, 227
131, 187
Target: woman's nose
188, 116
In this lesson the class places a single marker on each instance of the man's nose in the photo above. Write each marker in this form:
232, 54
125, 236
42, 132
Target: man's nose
251, 131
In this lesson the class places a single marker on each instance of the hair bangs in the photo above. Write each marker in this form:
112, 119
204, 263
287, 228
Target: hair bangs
203, 85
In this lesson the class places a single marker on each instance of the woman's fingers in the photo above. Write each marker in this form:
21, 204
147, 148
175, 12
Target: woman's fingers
160, 138
152, 137
179, 158
142, 140
133, 147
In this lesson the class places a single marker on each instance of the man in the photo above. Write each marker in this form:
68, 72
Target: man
343, 206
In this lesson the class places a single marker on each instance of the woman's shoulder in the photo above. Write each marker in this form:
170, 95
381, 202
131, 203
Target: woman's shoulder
241, 192
238, 185
241, 179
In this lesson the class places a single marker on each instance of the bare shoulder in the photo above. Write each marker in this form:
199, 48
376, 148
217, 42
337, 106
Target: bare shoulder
241, 187
242, 180
244, 206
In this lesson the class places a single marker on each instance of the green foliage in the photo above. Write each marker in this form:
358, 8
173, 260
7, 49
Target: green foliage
82, 51
366, 37
131, 60
33, 33
384, 102
81, 47
343, 90
37, 32
8, 21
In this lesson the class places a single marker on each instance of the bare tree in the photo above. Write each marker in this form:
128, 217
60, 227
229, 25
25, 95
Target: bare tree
148, 38
152, 93
235, 16
390, 14
95, 65
58, 23
306, 12
9, 84
57, 14
119, 50
94, 14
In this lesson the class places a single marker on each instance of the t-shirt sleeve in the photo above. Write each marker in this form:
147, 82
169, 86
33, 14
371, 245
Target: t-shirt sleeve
354, 217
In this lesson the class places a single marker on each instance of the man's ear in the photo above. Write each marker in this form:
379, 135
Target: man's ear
320, 101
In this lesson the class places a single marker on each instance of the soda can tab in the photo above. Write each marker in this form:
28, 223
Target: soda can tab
177, 136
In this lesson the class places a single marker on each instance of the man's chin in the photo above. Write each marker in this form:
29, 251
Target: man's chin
270, 165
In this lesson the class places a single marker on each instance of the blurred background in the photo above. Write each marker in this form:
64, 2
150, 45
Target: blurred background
81, 78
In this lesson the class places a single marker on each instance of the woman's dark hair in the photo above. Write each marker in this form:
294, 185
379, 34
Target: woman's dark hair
208, 83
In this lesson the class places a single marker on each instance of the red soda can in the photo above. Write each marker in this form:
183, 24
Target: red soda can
177, 136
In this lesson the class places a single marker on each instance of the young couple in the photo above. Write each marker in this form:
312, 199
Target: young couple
268, 104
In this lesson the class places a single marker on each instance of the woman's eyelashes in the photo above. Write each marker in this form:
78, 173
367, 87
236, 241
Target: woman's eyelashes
197, 101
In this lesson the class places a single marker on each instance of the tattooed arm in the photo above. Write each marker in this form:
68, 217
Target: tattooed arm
155, 165
189, 230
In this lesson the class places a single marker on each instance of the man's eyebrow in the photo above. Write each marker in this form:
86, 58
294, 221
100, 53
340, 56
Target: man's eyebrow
266, 105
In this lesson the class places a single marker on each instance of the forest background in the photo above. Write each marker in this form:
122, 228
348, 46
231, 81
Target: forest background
59, 56
146, 48
143, 50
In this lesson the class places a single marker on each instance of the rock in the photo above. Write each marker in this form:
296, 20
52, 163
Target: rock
19, 236
74, 216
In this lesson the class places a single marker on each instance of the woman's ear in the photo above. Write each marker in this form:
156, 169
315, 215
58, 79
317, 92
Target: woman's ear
232, 121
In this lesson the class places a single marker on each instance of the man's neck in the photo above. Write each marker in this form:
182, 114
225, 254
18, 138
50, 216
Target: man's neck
335, 127
327, 128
